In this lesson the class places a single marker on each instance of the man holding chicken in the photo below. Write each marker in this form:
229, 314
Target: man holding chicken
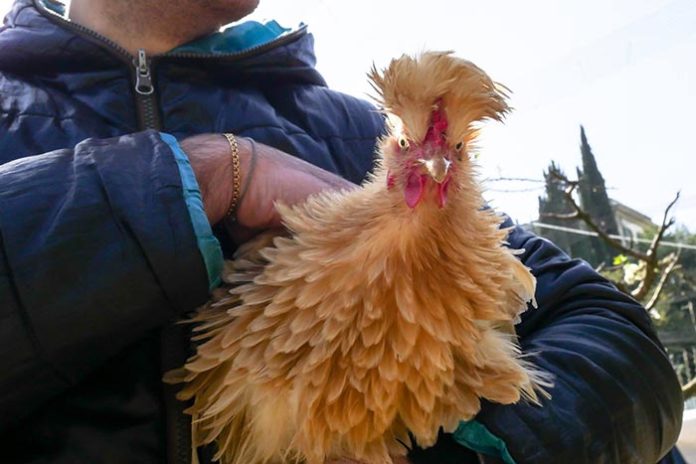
105, 242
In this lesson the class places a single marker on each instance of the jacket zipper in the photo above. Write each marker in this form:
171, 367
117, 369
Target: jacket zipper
142, 65
146, 106
145, 93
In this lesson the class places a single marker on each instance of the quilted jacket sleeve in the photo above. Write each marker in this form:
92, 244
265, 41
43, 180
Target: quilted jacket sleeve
96, 249
616, 398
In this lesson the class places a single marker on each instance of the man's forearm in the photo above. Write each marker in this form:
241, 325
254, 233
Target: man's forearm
98, 250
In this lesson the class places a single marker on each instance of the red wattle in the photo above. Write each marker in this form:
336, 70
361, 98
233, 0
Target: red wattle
442, 192
415, 188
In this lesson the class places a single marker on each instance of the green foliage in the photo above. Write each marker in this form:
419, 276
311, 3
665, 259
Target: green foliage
680, 288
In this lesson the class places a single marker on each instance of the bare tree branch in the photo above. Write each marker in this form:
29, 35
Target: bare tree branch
672, 266
587, 219
689, 390
667, 222
649, 258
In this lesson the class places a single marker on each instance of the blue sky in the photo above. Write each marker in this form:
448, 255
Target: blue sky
626, 69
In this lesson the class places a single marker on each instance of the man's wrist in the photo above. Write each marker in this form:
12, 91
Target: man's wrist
211, 159
244, 158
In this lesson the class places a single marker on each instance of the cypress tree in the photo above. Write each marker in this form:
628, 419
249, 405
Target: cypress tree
595, 201
554, 202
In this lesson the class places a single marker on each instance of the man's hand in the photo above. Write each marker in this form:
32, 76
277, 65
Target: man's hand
276, 176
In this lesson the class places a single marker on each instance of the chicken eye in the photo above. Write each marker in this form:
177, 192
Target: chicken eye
459, 146
403, 143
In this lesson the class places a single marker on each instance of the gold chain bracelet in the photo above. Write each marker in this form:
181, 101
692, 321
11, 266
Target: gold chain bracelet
236, 173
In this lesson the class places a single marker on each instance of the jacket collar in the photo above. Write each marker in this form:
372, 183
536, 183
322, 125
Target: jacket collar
37, 38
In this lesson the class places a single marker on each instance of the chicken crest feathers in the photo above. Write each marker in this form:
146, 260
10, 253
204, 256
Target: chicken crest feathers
409, 86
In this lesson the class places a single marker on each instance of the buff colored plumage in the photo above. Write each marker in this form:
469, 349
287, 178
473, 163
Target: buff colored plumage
384, 310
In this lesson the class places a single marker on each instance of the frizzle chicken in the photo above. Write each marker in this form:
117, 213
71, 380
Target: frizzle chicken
385, 310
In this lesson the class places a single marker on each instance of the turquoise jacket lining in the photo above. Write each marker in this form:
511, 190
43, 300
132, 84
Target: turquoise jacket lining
207, 243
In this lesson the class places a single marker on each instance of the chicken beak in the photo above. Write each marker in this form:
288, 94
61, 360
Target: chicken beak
437, 168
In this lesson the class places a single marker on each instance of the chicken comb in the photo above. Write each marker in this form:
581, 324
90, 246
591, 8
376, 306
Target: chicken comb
438, 126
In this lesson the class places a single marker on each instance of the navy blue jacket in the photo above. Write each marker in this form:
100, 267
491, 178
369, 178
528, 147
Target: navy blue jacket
98, 257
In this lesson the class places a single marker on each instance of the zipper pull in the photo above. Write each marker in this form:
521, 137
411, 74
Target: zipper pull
143, 79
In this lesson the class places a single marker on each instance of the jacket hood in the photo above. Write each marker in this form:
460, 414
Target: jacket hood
36, 39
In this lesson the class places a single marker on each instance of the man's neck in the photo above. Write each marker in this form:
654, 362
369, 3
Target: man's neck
155, 26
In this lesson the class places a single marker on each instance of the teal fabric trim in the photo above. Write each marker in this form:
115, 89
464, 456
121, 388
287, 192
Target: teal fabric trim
235, 39
207, 243
57, 8
477, 437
